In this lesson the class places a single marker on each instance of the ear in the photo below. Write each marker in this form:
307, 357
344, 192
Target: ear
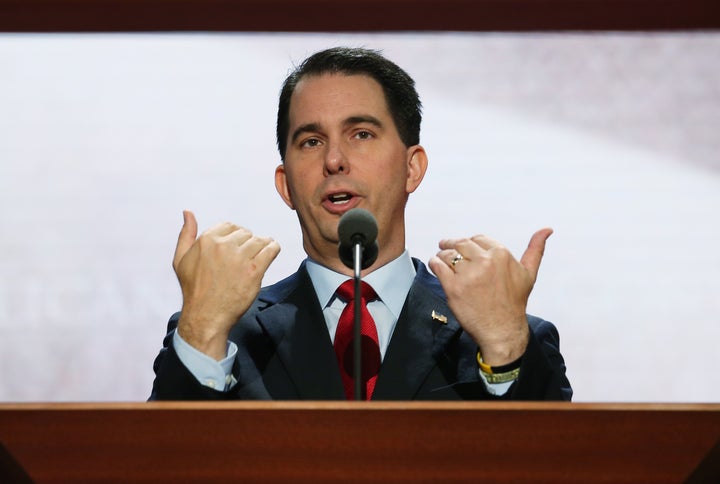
417, 163
281, 185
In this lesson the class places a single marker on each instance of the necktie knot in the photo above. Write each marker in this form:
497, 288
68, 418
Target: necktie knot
346, 291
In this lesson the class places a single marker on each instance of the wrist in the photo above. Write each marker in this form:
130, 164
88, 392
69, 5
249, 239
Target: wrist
203, 338
499, 374
505, 350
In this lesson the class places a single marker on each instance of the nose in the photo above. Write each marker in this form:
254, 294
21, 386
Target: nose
335, 160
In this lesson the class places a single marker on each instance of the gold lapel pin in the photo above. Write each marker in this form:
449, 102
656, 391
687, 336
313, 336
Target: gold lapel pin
439, 317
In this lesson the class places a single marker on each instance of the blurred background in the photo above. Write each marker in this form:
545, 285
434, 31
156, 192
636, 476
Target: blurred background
609, 138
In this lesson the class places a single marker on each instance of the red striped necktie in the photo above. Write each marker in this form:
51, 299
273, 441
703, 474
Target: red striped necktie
369, 344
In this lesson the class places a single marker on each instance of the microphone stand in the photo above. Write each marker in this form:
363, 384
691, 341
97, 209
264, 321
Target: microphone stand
357, 343
357, 230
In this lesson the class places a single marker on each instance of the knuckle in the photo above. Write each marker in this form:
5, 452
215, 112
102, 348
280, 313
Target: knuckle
205, 241
260, 240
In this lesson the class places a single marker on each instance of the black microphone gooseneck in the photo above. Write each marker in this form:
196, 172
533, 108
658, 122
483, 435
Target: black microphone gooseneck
358, 249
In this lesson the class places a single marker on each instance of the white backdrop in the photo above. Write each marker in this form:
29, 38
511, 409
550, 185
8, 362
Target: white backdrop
611, 139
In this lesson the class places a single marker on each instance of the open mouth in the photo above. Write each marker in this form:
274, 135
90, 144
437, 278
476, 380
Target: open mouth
340, 198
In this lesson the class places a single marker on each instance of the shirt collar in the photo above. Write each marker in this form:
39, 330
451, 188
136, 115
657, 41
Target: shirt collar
391, 282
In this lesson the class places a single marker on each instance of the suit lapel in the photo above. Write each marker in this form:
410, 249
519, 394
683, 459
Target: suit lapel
297, 327
417, 342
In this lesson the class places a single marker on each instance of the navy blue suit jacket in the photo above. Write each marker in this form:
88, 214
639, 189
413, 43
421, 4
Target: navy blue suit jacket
285, 353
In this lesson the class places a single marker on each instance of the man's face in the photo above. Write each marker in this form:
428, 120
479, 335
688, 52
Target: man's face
344, 151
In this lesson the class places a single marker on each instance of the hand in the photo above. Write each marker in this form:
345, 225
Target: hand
220, 274
488, 290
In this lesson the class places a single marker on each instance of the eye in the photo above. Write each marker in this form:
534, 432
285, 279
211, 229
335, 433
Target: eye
363, 134
310, 143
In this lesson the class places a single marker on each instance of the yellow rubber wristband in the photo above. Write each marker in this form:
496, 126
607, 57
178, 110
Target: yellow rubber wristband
500, 374
484, 366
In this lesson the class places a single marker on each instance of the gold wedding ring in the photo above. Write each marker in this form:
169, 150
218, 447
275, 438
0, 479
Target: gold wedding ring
456, 259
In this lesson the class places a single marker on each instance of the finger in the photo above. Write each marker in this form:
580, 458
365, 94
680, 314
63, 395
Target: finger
465, 247
253, 245
238, 236
483, 241
446, 255
223, 229
440, 268
186, 238
486, 242
533, 255
267, 254
447, 244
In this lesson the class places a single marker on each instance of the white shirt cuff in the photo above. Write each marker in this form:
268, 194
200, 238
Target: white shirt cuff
497, 389
209, 372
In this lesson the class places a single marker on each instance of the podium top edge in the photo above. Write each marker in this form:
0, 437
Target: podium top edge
364, 406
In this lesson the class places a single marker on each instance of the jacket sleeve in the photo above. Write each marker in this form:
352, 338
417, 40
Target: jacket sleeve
173, 381
542, 370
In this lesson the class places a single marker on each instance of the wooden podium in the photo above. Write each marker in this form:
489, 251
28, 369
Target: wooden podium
359, 442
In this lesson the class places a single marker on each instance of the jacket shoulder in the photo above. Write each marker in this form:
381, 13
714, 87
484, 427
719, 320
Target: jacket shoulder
281, 289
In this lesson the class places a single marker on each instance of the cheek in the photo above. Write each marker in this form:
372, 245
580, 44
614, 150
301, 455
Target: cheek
396, 178
298, 184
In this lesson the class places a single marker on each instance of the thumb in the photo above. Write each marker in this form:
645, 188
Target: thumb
534, 253
188, 234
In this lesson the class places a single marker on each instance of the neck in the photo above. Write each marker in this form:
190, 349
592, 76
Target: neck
331, 260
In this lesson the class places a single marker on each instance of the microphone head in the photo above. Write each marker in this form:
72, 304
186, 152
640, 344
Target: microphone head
358, 226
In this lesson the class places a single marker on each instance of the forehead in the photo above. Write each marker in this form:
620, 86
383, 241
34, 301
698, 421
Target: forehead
324, 96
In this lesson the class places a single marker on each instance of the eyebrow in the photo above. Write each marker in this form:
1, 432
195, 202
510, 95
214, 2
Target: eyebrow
363, 119
305, 128
314, 127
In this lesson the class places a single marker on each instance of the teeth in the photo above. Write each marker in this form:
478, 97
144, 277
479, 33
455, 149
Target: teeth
340, 198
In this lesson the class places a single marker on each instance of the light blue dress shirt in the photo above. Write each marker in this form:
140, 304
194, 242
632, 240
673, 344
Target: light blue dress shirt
391, 283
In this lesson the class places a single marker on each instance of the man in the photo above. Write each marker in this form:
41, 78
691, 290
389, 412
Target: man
348, 134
